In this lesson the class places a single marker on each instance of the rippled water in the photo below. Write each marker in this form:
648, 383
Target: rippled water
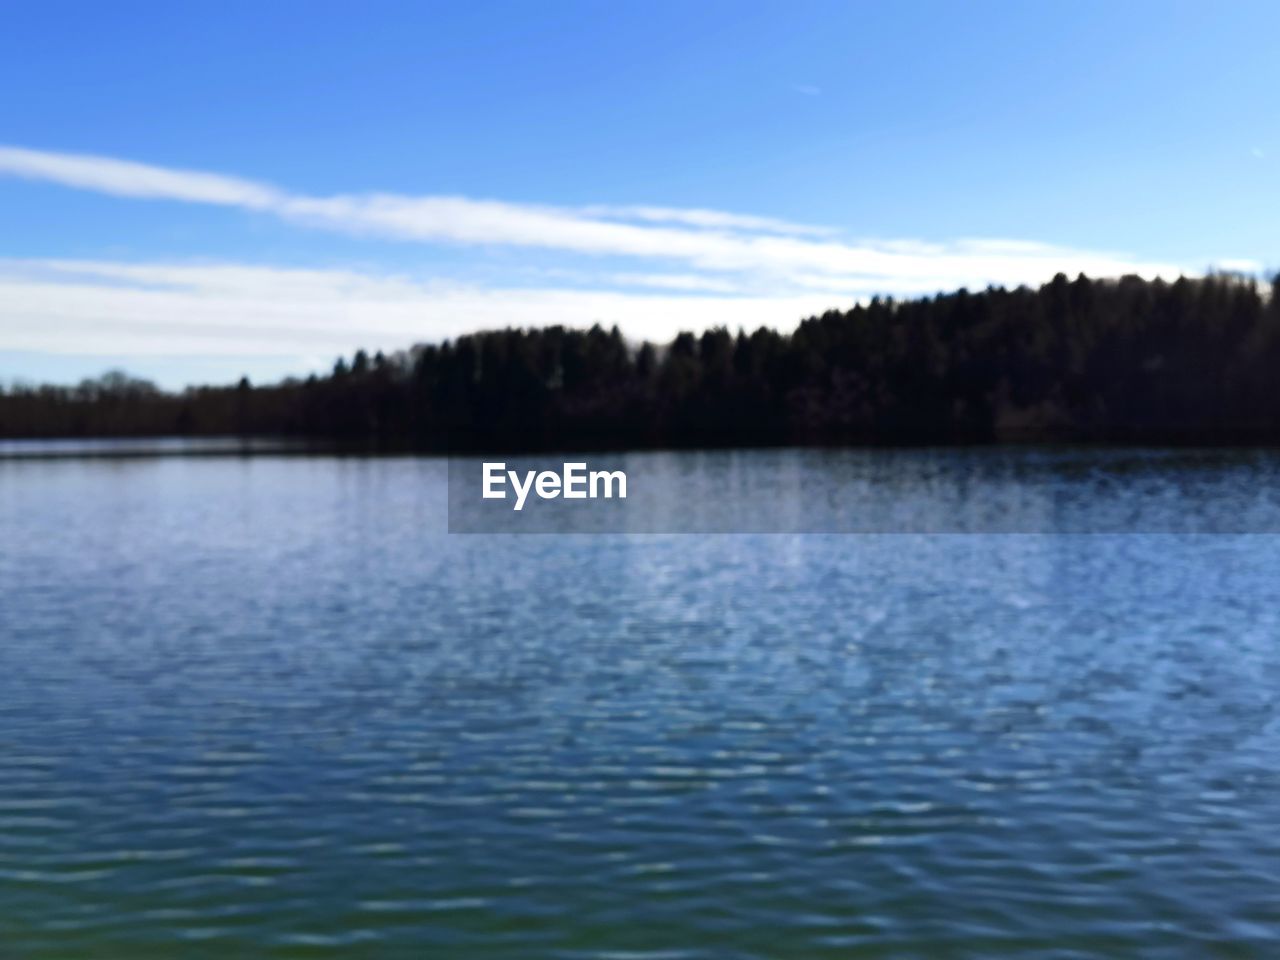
264, 707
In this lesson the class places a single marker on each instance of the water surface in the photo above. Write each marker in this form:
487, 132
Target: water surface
265, 706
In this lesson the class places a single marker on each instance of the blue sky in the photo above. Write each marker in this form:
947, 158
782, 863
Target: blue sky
194, 192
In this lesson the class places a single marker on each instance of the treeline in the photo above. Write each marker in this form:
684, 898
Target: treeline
1127, 360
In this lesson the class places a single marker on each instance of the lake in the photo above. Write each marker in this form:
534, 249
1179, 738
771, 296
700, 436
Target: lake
267, 706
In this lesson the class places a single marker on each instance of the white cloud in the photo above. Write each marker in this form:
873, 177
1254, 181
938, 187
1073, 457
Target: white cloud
694, 217
764, 251
1239, 265
694, 268
153, 309
807, 89
678, 281
123, 178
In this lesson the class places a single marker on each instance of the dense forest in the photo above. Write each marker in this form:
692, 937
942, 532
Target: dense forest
1127, 360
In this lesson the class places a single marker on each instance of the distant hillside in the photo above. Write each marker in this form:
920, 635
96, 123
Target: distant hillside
1128, 360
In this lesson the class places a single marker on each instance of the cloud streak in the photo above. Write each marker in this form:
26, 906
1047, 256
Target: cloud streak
758, 251
151, 309
652, 270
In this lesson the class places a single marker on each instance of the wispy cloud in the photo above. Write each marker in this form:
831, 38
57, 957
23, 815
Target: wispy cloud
807, 89
680, 269
104, 307
1239, 265
677, 281
708, 219
759, 251
123, 178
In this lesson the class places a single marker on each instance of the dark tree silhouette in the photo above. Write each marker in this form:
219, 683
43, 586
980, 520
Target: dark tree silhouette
1124, 360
